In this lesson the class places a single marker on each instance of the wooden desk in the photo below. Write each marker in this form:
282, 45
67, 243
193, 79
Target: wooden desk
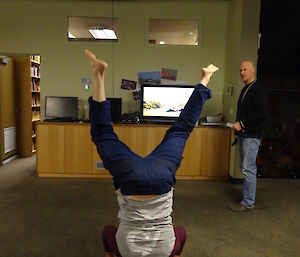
66, 149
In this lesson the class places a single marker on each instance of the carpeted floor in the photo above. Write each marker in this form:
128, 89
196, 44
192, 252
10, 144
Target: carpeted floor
57, 217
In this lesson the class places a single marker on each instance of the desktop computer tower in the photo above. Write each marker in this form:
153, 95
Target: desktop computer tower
115, 109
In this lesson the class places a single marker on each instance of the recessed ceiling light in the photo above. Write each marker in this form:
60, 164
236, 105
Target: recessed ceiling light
99, 33
70, 35
110, 33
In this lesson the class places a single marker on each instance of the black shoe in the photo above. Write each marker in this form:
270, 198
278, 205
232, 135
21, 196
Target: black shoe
238, 207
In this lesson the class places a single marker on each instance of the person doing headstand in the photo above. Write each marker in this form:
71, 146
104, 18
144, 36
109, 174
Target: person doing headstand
144, 186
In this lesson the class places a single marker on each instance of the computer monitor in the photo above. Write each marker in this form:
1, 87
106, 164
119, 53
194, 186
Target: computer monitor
61, 108
163, 103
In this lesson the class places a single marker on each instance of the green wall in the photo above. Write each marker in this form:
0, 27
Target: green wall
228, 34
40, 27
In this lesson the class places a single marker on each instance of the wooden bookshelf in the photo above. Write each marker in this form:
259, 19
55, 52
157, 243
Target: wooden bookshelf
27, 78
35, 95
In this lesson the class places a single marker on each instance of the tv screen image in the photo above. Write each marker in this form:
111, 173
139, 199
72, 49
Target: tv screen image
61, 107
164, 102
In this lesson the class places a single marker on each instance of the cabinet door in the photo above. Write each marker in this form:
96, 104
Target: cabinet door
190, 165
50, 149
97, 164
134, 137
215, 152
78, 149
155, 136
191, 162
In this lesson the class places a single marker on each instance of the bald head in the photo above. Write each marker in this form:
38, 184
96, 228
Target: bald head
247, 72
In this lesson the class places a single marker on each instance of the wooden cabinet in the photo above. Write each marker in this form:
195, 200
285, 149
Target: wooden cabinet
215, 149
190, 165
192, 156
51, 143
135, 137
155, 136
97, 164
66, 149
77, 149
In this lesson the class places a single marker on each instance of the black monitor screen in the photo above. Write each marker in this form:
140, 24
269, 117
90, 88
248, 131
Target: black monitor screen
61, 107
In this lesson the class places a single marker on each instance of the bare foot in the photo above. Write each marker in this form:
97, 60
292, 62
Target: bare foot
207, 73
209, 70
97, 65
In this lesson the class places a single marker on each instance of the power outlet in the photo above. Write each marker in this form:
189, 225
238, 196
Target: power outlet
229, 90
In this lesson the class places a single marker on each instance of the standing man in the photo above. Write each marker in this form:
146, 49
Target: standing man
251, 121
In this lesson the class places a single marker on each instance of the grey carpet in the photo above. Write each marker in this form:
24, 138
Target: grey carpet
63, 217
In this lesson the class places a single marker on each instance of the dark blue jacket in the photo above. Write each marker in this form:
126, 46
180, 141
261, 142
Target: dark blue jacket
253, 110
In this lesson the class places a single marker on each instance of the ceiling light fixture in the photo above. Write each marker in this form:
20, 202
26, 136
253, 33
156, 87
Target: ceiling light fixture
70, 35
110, 33
100, 32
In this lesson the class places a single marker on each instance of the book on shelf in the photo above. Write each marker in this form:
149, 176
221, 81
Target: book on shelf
35, 115
35, 71
35, 85
35, 58
35, 101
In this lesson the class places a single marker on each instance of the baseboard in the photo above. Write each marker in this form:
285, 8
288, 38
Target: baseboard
236, 180
10, 159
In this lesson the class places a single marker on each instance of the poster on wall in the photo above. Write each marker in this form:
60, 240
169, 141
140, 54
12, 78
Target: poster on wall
128, 84
136, 95
169, 74
149, 77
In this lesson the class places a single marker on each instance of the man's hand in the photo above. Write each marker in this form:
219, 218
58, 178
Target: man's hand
237, 126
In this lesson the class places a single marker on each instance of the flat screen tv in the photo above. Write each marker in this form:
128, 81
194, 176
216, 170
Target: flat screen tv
163, 103
61, 108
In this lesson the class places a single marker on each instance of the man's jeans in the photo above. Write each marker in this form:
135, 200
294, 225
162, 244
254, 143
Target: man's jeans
248, 149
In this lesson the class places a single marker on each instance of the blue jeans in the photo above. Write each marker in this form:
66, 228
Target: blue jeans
154, 174
248, 149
